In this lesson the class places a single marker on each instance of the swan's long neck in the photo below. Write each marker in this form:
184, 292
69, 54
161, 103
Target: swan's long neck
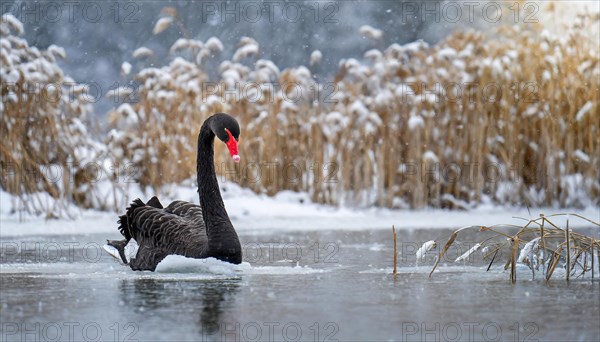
222, 237
213, 209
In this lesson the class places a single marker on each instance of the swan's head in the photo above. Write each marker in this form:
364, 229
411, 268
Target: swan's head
227, 129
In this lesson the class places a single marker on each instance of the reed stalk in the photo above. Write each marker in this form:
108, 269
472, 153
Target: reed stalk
531, 243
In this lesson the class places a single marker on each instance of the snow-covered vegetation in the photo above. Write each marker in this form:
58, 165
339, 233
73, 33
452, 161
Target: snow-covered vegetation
540, 244
509, 117
505, 117
48, 157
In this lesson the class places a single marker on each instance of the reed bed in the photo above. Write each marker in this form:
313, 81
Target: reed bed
541, 244
47, 158
509, 117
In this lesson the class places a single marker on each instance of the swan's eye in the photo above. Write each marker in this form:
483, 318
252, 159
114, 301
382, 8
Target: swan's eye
232, 145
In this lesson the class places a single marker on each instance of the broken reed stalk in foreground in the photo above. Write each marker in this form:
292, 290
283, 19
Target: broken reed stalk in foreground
395, 253
541, 243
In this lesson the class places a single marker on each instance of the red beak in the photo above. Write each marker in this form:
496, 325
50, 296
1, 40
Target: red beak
232, 145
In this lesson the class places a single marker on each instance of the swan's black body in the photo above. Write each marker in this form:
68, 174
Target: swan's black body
183, 228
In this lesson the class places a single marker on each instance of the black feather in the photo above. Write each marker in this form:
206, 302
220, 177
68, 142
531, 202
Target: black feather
124, 227
154, 202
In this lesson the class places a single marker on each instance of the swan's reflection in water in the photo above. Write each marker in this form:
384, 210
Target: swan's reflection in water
189, 302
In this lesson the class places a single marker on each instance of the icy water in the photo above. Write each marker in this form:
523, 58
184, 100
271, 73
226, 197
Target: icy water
304, 286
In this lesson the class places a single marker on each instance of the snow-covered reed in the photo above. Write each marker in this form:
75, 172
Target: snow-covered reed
543, 244
426, 247
468, 253
509, 117
47, 158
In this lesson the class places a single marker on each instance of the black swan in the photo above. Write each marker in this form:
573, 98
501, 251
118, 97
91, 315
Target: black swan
183, 228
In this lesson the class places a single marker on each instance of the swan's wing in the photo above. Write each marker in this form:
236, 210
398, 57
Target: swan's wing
154, 202
165, 230
160, 233
189, 211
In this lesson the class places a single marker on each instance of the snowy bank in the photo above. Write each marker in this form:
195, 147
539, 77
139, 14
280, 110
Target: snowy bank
287, 211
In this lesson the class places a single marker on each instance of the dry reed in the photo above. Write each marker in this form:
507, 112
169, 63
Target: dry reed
528, 239
509, 117
395, 273
46, 149
406, 127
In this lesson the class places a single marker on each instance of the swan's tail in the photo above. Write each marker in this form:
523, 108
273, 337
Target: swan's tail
125, 221
124, 227
117, 248
125, 250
